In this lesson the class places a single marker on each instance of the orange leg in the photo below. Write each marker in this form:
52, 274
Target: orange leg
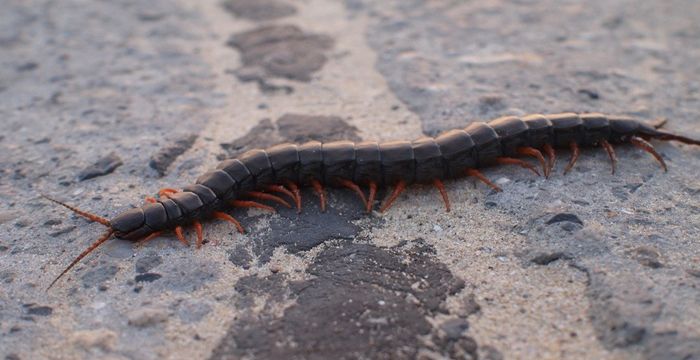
181, 236
264, 196
251, 204
283, 190
646, 146
166, 191
318, 188
551, 154
372, 195
521, 163
398, 189
148, 238
229, 218
200, 237
352, 186
529, 151
150, 199
477, 174
297, 194
441, 188
575, 152
611, 152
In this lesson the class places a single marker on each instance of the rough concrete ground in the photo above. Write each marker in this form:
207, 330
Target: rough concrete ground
103, 103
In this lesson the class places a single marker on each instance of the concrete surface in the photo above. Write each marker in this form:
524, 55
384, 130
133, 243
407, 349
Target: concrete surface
103, 103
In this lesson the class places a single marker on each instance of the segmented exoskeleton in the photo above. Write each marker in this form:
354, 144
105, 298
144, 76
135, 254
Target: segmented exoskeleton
285, 168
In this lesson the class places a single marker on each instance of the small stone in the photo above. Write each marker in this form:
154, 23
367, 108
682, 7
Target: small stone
548, 258
52, 222
147, 277
590, 94
33, 309
647, 256
62, 231
565, 217
147, 317
103, 166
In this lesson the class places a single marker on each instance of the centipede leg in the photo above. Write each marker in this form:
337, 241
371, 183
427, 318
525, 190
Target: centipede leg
318, 188
265, 196
251, 204
283, 190
477, 174
441, 188
229, 218
551, 154
398, 189
181, 236
150, 199
646, 146
521, 163
352, 186
575, 152
611, 153
529, 151
200, 233
148, 238
372, 195
297, 194
164, 192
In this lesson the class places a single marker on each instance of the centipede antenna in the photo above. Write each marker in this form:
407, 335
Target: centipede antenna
663, 135
90, 248
85, 214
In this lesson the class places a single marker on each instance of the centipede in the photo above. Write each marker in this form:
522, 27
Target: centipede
273, 174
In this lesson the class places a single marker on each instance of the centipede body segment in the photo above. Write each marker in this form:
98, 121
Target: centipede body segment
269, 174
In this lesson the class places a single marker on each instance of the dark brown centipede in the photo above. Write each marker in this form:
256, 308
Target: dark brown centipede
283, 169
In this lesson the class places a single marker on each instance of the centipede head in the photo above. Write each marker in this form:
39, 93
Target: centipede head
92, 217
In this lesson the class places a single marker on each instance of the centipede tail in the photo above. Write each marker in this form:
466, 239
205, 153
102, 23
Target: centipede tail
262, 174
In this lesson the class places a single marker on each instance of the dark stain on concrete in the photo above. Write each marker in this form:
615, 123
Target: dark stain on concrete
298, 128
295, 128
625, 300
101, 167
620, 318
161, 160
259, 10
262, 135
281, 51
99, 275
363, 302
240, 256
303, 232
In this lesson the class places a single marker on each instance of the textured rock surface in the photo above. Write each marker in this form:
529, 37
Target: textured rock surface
587, 265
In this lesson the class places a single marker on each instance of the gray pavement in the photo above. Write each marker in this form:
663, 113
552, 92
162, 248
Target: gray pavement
104, 103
